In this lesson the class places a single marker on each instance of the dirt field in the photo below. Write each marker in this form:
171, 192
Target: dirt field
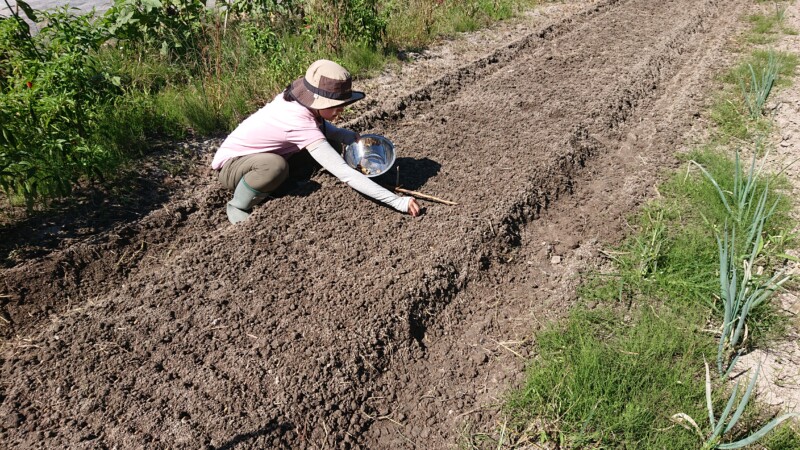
147, 321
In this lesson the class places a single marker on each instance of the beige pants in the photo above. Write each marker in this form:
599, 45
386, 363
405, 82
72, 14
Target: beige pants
263, 172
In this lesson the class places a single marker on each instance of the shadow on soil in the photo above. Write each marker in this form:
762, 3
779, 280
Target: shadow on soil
410, 173
272, 427
81, 216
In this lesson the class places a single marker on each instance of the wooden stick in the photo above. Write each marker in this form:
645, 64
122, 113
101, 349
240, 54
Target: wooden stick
421, 195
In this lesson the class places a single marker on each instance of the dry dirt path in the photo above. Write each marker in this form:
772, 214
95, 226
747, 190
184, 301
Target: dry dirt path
329, 321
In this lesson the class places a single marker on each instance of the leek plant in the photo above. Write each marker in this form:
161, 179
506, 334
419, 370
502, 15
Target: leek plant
744, 189
720, 427
740, 296
756, 92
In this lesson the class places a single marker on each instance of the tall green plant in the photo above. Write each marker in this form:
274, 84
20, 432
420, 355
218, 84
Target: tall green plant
53, 91
338, 22
174, 27
740, 295
725, 423
760, 85
740, 291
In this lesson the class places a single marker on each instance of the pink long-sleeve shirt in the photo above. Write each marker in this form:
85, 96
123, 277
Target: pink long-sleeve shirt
280, 127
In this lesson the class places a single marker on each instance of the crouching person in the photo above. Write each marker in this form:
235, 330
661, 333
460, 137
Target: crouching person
252, 161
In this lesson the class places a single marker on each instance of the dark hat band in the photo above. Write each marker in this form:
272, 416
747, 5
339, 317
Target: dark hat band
341, 89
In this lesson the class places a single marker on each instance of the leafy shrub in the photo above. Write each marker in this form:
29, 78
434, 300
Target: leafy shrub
174, 27
52, 89
284, 15
348, 21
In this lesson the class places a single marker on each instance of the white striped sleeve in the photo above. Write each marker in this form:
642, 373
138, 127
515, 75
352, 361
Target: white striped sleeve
328, 158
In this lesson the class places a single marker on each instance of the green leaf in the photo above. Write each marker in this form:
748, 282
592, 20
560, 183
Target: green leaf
151, 4
126, 18
29, 12
724, 416
743, 401
758, 434
709, 404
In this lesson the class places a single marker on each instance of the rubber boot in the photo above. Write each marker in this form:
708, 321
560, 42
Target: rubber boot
244, 198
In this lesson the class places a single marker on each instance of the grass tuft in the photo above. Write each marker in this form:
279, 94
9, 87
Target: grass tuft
737, 109
601, 381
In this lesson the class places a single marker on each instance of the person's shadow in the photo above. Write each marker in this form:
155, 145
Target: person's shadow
409, 173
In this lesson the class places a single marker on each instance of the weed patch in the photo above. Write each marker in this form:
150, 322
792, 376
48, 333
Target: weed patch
601, 380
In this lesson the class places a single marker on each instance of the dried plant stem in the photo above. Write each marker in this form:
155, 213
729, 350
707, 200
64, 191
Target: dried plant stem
421, 195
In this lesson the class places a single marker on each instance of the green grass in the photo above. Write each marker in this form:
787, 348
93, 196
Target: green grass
472, 15
363, 61
729, 112
677, 267
766, 28
731, 124
601, 382
786, 438
418, 23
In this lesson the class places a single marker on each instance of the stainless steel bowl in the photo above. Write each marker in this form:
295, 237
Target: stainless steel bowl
372, 155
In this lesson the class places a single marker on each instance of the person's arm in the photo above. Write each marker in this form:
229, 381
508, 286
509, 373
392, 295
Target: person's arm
327, 157
337, 134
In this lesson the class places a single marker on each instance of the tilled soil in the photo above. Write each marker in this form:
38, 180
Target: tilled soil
329, 321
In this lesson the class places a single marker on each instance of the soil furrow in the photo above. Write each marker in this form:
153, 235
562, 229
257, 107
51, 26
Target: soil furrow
437, 92
276, 332
552, 178
474, 347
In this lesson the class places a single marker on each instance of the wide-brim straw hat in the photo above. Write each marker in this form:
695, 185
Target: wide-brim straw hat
325, 85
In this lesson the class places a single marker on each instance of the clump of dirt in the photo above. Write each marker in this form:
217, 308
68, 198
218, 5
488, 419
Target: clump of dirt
329, 321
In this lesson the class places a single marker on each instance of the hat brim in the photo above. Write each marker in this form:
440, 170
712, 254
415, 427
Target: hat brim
314, 101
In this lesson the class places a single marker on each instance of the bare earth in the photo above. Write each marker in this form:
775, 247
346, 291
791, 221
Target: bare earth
145, 320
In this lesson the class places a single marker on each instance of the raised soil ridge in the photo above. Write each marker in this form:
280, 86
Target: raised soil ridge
329, 321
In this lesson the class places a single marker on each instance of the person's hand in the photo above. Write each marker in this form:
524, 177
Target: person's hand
350, 137
346, 136
413, 207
